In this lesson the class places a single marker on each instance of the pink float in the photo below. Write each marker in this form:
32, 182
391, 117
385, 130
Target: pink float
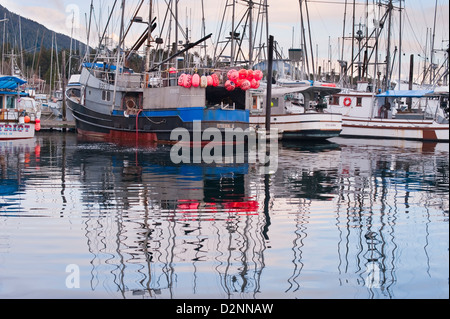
196, 80
230, 85
245, 85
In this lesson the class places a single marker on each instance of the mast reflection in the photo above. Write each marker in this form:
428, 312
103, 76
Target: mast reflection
172, 222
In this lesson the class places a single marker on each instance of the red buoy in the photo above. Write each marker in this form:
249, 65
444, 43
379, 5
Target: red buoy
245, 85
258, 75
196, 80
209, 80
250, 75
230, 85
243, 74
254, 84
181, 79
187, 82
215, 79
233, 75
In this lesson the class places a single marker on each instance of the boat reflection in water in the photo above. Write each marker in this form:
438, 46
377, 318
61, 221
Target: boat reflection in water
176, 226
384, 186
343, 219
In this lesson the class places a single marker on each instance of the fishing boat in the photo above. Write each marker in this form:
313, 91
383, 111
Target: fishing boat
372, 104
387, 115
19, 115
142, 106
298, 112
115, 103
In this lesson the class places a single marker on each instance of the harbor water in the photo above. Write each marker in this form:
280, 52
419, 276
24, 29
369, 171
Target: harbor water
346, 219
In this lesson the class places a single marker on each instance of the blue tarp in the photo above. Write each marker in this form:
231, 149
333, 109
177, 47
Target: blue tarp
405, 93
105, 66
10, 83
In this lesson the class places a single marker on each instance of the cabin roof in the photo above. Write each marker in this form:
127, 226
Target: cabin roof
10, 83
405, 93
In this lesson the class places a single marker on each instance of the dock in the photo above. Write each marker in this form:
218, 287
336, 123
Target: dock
55, 124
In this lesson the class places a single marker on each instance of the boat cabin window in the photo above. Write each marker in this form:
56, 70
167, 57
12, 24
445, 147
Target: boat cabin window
256, 105
10, 102
334, 100
359, 101
106, 96
275, 102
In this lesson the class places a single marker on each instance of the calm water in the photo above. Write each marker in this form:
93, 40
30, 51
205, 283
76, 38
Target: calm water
347, 219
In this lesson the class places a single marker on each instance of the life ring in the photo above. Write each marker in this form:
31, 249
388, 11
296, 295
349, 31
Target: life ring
347, 101
132, 108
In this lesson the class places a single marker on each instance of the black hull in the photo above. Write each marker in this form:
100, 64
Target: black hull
156, 129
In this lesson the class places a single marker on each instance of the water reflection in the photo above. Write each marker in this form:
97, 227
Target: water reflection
379, 190
345, 219
163, 222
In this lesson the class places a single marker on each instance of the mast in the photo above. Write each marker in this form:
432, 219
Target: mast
310, 41
3, 43
51, 66
388, 56
233, 32
425, 59
204, 32
176, 26
353, 41
400, 49
432, 46
149, 36
21, 48
375, 75
250, 17
303, 42
88, 50
70, 50
343, 31
119, 49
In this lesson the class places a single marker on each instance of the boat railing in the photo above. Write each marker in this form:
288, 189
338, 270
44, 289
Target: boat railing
126, 80
9, 114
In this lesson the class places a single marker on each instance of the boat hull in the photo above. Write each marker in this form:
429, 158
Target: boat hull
395, 129
12, 130
303, 126
154, 126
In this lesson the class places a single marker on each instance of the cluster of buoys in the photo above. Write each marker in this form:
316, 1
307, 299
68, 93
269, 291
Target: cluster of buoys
243, 79
188, 80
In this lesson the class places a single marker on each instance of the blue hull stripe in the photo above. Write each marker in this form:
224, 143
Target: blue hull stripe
199, 114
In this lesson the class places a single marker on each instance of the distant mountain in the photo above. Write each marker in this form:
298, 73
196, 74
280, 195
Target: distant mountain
30, 29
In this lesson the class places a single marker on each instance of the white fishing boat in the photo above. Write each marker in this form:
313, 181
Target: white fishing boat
386, 115
298, 113
19, 114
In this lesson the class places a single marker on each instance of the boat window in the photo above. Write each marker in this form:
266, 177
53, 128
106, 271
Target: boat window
275, 102
106, 95
1, 102
10, 102
359, 101
334, 100
256, 103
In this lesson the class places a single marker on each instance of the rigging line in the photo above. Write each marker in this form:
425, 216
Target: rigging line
334, 2
414, 33
181, 29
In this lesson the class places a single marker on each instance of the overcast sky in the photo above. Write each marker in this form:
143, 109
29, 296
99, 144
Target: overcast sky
326, 20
